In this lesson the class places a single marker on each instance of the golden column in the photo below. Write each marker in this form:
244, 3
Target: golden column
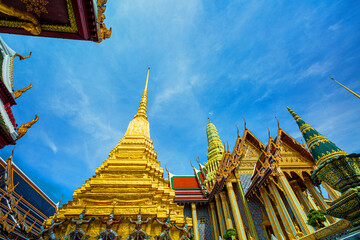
214, 224
195, 222
306, 202
294, 202
226, 211
235, 211
220, 215
289, 227
271, 213
246, 208
332, 192
318, 198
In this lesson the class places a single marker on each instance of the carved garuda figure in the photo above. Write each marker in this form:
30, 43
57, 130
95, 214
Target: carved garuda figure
185, 233
109, 233
167, 225
138, 233
78, 233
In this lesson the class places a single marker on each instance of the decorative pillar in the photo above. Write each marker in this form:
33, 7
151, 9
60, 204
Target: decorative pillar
302, 198
214, 224
246, 210
285, 216
236, 213
294, 202
265, 222
318, 198
332, 192
226, 211
220, 214
271, 213
195, 222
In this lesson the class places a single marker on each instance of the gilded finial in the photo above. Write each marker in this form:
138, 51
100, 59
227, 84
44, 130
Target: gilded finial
244, 123
191, 164
22, 57
237, 130
227, 144
166, 169
197, 159
357, 95
269, 133
277, 122
21, 91
12, 154
23, 128
143, 103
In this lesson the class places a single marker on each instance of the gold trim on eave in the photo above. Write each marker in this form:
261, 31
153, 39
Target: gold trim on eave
329, 156
48, 27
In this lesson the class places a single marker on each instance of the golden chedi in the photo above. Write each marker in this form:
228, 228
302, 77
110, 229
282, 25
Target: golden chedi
129, 180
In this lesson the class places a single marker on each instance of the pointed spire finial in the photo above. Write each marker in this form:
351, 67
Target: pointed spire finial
143, 103
244, 123
277, 122
357, 95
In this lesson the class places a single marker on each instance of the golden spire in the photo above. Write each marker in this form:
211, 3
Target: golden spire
357, 95
139, 126
143, 103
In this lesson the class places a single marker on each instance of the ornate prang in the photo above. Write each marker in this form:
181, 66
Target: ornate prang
23, 128
32, 25
109, 233
19, 92
138, 233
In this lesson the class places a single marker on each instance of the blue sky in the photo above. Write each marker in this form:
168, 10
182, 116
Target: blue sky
224, 59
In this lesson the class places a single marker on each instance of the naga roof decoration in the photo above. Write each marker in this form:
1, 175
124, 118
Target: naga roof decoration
83, 20
9, 132
320, 147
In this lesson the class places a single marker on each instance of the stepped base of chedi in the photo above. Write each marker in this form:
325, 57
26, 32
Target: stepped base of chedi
128, 181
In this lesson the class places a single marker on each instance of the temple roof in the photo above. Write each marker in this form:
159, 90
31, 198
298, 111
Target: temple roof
187, 188
34, 200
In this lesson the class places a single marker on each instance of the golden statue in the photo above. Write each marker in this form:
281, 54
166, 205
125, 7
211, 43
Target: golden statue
23, 128
32, 26
21, 91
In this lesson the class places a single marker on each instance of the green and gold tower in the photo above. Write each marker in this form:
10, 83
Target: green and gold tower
338, 169
215, 152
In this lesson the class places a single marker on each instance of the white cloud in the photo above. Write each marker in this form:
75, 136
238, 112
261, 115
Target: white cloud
318, 69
